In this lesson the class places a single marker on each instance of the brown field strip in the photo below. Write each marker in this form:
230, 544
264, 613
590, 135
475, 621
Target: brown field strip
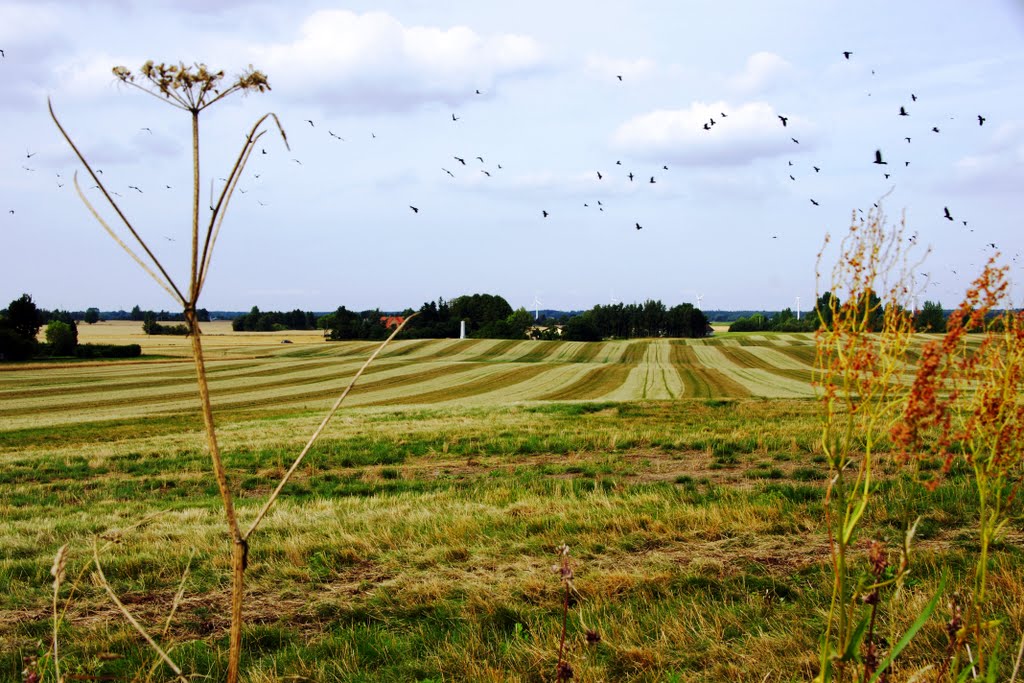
700, 381
748, 359
407, 348
487, 383
452, 348
586, 353
804, 353
539, 350
634, 353
596, 383
496, 352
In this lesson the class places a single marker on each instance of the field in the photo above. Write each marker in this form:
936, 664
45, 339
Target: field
417, 541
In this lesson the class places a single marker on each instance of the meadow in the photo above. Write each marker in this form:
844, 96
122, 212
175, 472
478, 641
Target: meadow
417, 540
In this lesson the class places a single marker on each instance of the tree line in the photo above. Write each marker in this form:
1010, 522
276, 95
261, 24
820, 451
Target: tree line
21, 321
929, 318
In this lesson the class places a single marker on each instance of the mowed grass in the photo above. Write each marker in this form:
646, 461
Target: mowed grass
416, 542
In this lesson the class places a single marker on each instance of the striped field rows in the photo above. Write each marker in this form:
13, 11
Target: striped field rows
411, 373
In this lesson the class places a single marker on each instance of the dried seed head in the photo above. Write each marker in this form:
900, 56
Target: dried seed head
59, 565
592, 636
563, 672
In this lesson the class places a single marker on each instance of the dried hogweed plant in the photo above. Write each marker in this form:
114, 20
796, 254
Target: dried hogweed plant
194, 89
865, 331
966, 402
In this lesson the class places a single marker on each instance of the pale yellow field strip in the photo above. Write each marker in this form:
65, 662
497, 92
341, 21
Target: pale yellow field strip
768, 384
613, 351
777, 358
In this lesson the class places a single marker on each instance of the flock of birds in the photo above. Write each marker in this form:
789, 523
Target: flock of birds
633, 175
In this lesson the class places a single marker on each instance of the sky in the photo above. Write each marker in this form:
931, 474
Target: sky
379, 98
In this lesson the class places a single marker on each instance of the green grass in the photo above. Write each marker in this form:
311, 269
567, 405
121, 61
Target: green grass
416, 541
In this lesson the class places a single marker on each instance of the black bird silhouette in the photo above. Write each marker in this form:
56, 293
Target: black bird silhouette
795, 140
599, 202
639, 227
664, 168
454, 117
652, 179
263, 150
791, 177
478, 91
12, 210
333, 135
815, 203
906, 163
847, 54
908, 140
945, 211
935, 129
28, 169
309, 122
707, 127
448, 172
260, 203
886, 175
147, 129
618, 163
903, 112
100, 171
29, 155
913, 97
619, 76
167, 186
297, 161
486, 173
784, 119
816, 169
790, 163
414, 209
599, 176
981, 120
135, 187
481, 159
169, 239
544, 213
711, 121
460, 160
723, 114
993, 245
4, 55
878, 157
630, 176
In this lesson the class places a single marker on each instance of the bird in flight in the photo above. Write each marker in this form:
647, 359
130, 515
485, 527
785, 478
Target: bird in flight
903, 112
886, 175
478, 91
630, 176
454, 117
878, 157
618, 163
619, 76
935, 129
149, 130
913, 97
816, 169
639, 227
260, 203
908, 140
664, 168
946, 214
336, 136
4, 55
795, 140
460, 160
784, 119
485, 172
981, 120
545, 213
481, 159
297, 161
652, 180
414, 209
29, 155
448, 172
847, 54
135, 187
310, 122
707, 127
599, 176
791, 177
815, 203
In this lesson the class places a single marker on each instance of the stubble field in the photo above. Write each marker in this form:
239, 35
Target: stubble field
417, 540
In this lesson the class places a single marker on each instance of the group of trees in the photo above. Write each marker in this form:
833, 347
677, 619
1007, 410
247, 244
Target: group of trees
21, 321
929, 318
627, 321
258, 321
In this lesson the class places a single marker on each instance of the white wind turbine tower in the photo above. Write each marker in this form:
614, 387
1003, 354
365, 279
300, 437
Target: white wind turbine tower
798, 308
700, 298
537, 303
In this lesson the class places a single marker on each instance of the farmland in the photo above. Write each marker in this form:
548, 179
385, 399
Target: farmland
416, 542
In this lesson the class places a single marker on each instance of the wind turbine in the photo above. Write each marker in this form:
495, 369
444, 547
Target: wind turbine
798, 308
700, 297
536, 305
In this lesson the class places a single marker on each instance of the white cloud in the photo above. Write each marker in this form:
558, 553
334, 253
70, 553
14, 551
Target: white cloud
763, 71
606, 68
371, 62
748, 132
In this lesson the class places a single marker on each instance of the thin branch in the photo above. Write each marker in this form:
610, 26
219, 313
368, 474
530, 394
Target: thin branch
169, 287
138, 627
323, 424
169, 281
180, 593
1016, 665
220, 208
169, 97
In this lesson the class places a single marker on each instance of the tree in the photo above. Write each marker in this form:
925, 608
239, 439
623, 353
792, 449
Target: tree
62, 338
92, 315
930, 318
24, 317
136, 313
824, 306
581, 328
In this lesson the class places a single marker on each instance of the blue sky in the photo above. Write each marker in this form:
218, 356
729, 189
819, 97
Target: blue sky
724, 220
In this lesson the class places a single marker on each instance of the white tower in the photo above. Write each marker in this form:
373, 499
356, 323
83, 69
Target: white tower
798, 308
